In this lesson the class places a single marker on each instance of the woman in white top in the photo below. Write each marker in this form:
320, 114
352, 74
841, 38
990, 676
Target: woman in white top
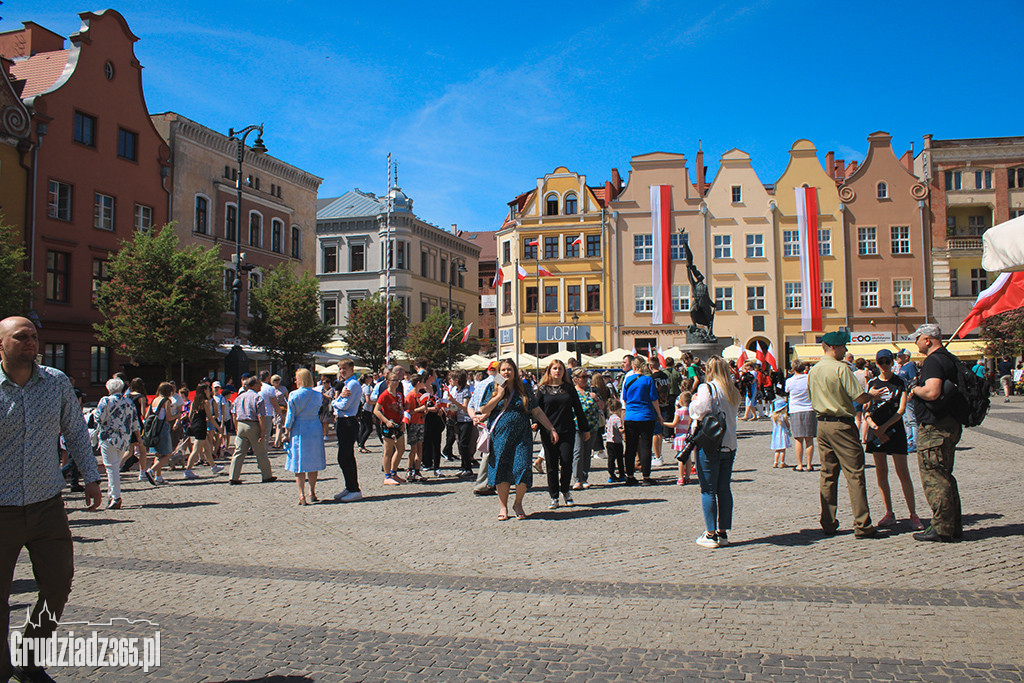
714, 470
803, 420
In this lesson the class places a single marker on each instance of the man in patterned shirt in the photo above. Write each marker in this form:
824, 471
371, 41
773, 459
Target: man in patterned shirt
37, 406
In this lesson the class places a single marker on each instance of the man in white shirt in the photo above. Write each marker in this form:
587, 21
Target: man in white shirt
269, 394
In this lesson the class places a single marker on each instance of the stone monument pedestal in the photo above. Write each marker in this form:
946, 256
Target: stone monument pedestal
706, 350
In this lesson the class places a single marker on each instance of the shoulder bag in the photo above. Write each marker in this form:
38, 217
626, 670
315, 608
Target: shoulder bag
710, 430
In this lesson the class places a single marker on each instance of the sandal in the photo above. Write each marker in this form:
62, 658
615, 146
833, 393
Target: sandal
520, 513
302, 501
502, 516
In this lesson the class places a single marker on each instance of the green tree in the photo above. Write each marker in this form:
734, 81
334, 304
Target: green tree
425, 340
1005, 333
162, 303
364, 332
16, 284
286, 319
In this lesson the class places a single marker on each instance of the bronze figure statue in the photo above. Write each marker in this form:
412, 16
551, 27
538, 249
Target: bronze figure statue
702, 308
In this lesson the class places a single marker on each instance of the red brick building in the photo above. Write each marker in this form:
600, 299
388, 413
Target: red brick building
487, 335
101, 174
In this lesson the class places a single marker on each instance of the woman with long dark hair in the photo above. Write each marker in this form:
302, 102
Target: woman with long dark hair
198, 416
557, 397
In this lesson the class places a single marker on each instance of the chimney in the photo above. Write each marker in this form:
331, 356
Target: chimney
609, 192
701, 169
830, 164
908, 160
851, 169
616, 181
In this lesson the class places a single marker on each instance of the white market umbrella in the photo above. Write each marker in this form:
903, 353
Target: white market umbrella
564, 356
612, 359
732, 352
1003, 246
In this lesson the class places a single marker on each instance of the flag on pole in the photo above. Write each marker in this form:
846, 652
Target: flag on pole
634, 350
770, 355
499, 277
544, 272
520, 272
1005, 294
810, 261
532, 243
759, 354
445, 337
661, 358
465, 333
650, 352
578, 242
742, 360
661, 228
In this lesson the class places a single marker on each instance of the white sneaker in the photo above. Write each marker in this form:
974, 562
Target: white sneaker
706, 541
217, 469
553, 505
352, 497
189, 474
656, 462
568, 501
340, 496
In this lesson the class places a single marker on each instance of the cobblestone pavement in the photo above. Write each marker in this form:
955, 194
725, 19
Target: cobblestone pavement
423, 580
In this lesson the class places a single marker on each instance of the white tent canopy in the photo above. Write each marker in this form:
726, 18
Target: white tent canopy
1004, 246
732, 352
473, 362
612, 359
564, 356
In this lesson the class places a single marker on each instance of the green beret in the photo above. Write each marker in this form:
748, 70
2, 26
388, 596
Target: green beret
837, 338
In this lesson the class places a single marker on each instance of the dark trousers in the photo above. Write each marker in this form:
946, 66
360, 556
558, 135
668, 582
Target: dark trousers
365, 427
451, 436
639, 435
43, 529
936, 448
616, 461
558, 457
347, 430
433, 430
464, 433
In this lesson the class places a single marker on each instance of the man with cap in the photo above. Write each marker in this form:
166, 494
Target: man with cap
938, 433
481, 488
834, 388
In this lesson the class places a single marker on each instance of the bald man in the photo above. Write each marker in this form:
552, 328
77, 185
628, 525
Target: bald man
37, 407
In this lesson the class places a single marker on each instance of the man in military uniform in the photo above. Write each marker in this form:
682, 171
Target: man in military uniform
834, 388
938, 433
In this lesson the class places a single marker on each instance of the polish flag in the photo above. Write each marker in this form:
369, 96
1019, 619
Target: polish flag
445, 337
578, 242
532, 243
520, 272
499, 277
810, 261
759, 354
742, 360
650, 352
661, 358
465, 333
1005, 294
770, 356
634, 350
661, 229
544, 272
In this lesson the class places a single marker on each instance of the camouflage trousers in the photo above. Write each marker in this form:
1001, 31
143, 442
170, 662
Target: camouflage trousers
936, 445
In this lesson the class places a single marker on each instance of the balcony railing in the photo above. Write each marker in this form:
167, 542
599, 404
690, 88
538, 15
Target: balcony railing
963, 243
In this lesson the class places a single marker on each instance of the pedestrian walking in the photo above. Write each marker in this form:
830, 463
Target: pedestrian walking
163, 408
303, 432
680, 425
560, 402
198, 426
583, 448
115, 419
252, 431
390, 409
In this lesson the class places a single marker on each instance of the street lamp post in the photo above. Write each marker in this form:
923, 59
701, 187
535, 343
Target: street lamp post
576, 338
451, 320
236, 286
896, 311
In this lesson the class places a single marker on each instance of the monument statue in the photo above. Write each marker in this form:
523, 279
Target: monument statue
702, 308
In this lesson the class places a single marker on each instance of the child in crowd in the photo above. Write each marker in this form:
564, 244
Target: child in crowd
781, 439
681, 423
613, 431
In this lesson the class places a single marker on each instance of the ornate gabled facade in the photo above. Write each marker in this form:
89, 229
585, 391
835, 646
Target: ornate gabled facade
15, 155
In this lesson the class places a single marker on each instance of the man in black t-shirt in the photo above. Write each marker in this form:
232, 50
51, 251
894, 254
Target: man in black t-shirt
937, 436
661, 383
1004, 370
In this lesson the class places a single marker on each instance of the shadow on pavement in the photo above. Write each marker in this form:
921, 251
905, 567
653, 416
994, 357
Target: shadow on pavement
972, 517
574, 512
791, 539
23, 586
994, 532
97, 521
175, 506
371, 498
617, 503
268, 679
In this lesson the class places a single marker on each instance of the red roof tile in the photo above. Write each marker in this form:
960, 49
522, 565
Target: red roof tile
599, 195
40, 71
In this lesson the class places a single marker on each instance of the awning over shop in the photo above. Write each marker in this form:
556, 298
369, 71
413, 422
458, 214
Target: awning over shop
965, 349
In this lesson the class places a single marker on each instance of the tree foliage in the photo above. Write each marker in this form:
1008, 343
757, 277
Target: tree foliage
1005, 333
364, 333
16, 284
286, 319
162, 303
425, 340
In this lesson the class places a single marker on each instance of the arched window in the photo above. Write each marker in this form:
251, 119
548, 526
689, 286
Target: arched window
551, 205
570, 204
255, 229
202, 217
230, 222
883, 190
277, 236
296, 242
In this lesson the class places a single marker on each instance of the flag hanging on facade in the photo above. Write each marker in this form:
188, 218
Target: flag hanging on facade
770, 357
810, 260
661, 264
544, 272
520, 272
532, 243
578, 242
445, 337
465, 333
1005, 294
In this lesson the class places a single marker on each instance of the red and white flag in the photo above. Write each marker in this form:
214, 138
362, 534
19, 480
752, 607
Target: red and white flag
532, 243
465, 333
520, 272
770, 355
1005, 294
634, 350
661, 264
578, 242
810, 261
544, 272
445, 337
661, 358
742, 360
499, 277
759, 354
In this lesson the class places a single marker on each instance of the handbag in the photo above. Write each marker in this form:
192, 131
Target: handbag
483, 438
710, 430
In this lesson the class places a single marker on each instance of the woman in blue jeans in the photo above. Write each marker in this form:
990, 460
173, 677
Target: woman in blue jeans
714, 470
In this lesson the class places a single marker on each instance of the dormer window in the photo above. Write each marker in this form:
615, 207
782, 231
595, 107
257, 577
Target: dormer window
570, 204
551, 205
883, 190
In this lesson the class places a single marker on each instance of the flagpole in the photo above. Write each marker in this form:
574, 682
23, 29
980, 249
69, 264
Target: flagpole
957, 330
536, 332
387, 272
517, 309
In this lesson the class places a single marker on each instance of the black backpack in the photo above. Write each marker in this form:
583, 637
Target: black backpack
967, 399
151, 427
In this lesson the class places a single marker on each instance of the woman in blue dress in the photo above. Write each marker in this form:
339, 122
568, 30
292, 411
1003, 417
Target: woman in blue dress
304, 434
508, 405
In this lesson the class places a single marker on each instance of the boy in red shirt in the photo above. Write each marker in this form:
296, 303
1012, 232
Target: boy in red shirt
389, 410
417, 403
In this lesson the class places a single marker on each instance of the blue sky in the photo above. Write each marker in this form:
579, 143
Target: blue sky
477, 100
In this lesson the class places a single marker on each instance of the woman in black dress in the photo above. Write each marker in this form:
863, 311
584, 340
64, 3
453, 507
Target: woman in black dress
197, 428
885, 436
557, 397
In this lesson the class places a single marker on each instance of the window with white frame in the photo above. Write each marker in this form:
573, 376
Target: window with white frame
570, 204
143, 217
790, 242
824, 242
826, 295
643, 247
643, 298
255, 229
276, 236
901, 293
900, 239
755, 246
680, 298
867, 241
792, 294
954, 180
103, 212
722, 246
1016, 177
59, 201
882, 190
737, 194
356, 257
677, 252
755, 298
723, 297
869, 293
551, 205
